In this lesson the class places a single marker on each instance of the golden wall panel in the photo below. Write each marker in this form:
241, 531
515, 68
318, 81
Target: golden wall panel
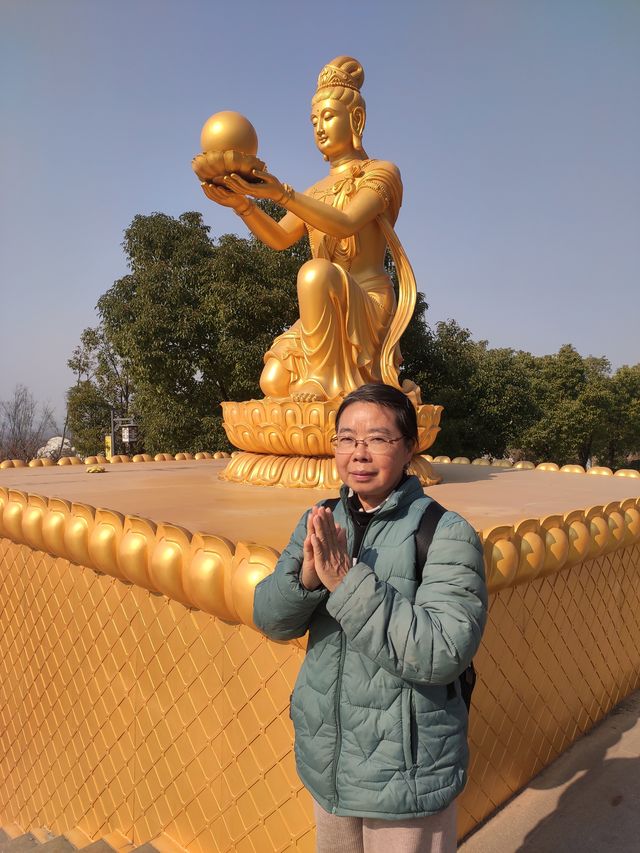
121, 709
556, 656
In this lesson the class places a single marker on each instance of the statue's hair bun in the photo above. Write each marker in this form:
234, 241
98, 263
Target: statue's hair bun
351, 67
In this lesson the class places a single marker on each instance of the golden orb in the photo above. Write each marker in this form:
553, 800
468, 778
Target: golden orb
229, 131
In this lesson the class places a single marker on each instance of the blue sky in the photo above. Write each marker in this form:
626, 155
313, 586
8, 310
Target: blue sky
515, 124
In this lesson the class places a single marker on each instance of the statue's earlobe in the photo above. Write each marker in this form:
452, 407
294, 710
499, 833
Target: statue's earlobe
357, 118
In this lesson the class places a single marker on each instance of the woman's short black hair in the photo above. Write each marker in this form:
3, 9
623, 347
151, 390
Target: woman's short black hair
390, 398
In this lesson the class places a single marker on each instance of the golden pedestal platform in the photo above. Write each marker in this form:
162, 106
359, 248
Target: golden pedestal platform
287, 443
137, 697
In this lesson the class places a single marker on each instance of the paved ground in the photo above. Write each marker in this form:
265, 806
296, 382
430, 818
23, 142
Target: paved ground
588, 801
190, 495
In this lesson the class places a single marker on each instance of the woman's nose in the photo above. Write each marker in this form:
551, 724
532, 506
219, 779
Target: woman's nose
361, 451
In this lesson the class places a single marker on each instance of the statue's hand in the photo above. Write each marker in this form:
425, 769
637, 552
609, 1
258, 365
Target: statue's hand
223, 196
269, 186
206, 165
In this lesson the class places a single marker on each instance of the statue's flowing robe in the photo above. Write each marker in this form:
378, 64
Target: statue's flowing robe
344, 349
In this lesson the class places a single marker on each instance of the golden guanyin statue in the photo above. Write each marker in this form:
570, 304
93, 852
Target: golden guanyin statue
350, 324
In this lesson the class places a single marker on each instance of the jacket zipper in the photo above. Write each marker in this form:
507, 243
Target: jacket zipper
413, 728
336, 753
343, 645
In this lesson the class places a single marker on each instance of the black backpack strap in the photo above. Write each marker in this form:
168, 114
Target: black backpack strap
467, 683
424, 536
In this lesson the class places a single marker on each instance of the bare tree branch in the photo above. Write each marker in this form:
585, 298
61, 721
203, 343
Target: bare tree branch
24, 425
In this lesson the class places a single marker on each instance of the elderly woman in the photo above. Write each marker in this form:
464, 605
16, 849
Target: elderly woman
380, 725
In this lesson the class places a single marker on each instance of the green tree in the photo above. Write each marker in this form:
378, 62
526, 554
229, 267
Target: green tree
192, 320
573, 395
194, 316
153, 317
449, 363
96, 360
88, 417
102, 386
486, 393
620, 437
504, 405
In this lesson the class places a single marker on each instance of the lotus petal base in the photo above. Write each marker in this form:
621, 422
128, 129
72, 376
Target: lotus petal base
288, 443
303, 472
288, 428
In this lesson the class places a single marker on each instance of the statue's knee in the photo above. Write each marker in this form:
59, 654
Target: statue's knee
317, 275
274, 380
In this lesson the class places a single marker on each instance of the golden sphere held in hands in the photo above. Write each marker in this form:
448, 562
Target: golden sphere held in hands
229, 131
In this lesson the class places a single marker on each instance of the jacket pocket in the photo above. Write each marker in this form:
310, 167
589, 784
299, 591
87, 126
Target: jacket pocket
409, 729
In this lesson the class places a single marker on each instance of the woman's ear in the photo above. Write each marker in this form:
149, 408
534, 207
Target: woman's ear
412, 448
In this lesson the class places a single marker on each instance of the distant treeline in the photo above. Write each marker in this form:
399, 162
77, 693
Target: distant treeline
186, 329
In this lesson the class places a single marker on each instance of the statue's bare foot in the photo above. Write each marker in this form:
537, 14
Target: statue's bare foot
307, 391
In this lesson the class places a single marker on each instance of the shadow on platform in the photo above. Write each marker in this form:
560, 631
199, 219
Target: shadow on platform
588, 800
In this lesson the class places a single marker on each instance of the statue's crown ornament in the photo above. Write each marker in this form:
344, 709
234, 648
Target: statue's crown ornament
331, 76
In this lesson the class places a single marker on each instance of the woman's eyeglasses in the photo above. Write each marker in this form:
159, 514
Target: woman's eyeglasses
375, 444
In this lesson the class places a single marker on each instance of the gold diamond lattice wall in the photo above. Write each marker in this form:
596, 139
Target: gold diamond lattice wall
557, 655
121, 709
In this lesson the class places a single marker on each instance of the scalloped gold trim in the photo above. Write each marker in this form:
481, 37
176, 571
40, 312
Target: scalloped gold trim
303, 472
200, 570
117, 459
535, 547
523, 465
13, 463
212, 574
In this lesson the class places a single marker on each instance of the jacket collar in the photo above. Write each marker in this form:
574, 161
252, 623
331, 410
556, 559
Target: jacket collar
407, 492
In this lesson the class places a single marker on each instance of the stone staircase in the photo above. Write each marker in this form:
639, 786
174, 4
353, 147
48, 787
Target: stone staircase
13, 839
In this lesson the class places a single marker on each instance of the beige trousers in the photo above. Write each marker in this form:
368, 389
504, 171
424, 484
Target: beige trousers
432, 834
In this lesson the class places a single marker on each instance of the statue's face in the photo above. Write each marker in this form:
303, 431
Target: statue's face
332, 127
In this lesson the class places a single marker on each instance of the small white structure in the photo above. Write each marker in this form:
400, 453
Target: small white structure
55, 448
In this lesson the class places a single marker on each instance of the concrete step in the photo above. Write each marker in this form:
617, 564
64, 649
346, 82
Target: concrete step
14, 840
119, 842
42, 834
27, 841
20, 844
77, 838
57, 844
10, 830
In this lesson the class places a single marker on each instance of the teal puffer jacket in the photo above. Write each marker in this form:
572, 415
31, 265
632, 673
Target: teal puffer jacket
378, 734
